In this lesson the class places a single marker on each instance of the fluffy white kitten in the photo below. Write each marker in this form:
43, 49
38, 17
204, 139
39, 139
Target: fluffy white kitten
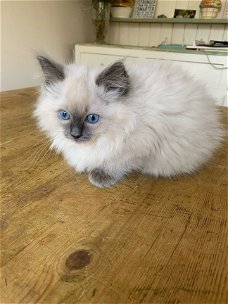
152, 118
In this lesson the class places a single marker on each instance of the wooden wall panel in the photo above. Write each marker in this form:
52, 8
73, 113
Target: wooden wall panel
178, 33
190, 33
203, 32
225, 33
147, 34
133, 35
217, 31
123, 33
166, 33
155, 34
144, 35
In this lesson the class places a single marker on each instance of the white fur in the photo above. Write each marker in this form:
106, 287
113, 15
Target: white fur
166, 125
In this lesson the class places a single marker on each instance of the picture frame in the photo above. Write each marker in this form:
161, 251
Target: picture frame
184, 13
144, 8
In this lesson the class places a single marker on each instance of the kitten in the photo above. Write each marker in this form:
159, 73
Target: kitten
152, 118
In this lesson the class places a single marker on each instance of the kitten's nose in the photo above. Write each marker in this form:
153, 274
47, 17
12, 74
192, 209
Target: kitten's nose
76, 132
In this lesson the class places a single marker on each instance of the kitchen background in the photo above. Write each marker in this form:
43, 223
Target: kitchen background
152, 34
54, 27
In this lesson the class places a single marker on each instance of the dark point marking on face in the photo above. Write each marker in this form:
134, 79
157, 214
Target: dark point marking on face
114, 78
77, 129
52, 71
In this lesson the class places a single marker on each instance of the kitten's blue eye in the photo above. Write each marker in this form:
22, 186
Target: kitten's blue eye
92, 118
64, 115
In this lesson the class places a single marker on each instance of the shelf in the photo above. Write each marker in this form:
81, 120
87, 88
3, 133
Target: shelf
171, 20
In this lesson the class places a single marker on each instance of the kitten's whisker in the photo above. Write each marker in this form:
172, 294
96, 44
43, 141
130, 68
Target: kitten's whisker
43, 156
39, 156
49, 155
34, 154
41, 141
42, 149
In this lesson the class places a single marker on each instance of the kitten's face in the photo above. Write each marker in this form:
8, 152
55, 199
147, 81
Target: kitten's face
81, 105
80, 112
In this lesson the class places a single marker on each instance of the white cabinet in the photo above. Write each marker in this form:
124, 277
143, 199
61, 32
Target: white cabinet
210, 69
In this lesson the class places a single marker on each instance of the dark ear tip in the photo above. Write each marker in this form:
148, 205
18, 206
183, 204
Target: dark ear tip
41, 58
52, 70
119, 63
120, 66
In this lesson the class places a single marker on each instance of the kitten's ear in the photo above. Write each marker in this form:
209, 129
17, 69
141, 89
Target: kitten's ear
115, 79
52, 71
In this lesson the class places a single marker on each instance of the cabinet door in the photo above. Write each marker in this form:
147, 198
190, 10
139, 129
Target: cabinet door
94, 59
97, 59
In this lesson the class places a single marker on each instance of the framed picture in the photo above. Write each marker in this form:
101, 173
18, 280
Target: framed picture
144, 8
182, 13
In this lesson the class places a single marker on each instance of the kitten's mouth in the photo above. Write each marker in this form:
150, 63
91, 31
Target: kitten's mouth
81, 139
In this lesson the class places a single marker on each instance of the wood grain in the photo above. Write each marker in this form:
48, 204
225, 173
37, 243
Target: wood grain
146, 240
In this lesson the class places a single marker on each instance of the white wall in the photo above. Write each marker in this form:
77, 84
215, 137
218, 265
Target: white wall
47, 27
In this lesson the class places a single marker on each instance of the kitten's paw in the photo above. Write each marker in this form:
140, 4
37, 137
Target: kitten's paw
100, 179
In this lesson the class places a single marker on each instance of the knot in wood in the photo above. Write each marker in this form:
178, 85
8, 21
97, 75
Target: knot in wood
78, 259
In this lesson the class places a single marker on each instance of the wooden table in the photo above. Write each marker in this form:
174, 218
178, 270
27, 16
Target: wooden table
146, 240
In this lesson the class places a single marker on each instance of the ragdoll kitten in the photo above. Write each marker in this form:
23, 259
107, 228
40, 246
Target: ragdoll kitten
152, 118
